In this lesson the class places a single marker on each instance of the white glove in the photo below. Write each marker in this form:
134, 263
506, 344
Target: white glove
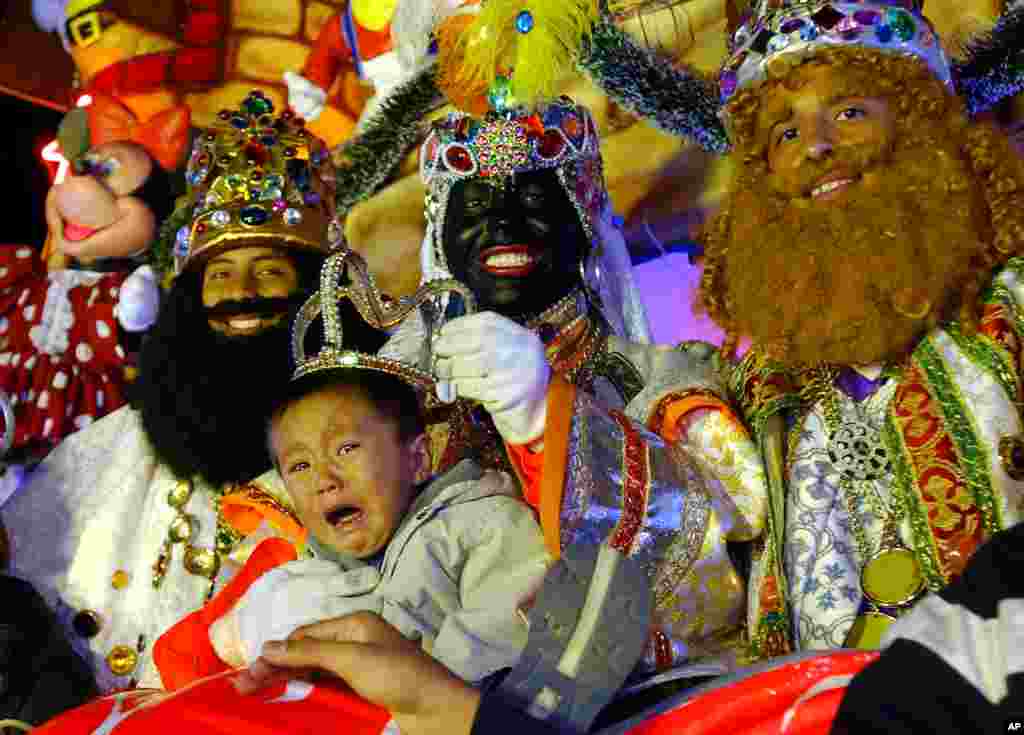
493, 360
139, 300
305, 98
286, 598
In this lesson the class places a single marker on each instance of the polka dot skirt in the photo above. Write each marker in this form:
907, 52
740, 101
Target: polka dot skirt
55, 395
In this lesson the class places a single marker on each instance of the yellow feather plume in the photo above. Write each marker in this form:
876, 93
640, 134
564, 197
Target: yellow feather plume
537, 59
468, 95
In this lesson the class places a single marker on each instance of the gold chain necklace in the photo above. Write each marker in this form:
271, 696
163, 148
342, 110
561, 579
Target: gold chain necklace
891, 578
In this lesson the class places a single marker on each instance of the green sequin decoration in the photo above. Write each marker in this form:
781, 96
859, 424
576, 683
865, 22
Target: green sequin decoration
917, 514
988, 355
1002, 294
755, 409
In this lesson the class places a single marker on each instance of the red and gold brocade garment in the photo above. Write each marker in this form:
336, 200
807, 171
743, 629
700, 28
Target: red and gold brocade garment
930, 449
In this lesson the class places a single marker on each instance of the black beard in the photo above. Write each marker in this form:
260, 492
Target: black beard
205, 397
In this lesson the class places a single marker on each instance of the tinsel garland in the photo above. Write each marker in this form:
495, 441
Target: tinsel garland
161, 253
677, 100
992, 67
365, 162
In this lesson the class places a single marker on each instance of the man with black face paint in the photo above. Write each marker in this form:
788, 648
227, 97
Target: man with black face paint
518, 246
131, 524
560, 361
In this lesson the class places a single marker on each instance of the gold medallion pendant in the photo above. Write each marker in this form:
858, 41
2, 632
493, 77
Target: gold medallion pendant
891, 581
892, 577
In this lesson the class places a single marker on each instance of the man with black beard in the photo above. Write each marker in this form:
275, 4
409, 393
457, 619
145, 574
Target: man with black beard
216, 344
133, 523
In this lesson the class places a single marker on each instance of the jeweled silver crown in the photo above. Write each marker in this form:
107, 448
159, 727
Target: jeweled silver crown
346, 277
781, 30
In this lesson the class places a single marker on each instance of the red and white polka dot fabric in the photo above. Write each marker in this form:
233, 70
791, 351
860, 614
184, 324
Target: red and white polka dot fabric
61, 360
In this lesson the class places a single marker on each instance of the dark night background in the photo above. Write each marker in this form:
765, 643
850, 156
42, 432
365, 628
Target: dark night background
27, 128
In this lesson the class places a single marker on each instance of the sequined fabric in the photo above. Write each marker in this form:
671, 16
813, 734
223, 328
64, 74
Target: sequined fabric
942, 415
698, 594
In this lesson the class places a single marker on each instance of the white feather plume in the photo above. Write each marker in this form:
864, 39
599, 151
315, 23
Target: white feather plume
413, 23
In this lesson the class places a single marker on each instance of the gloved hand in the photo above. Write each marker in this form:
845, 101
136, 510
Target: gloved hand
305, 98
287, 597
502, 364
139, 300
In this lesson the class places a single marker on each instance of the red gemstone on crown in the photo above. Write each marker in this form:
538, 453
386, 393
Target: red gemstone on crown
551, 144
256, 153
534, 126
571, 126
458, 158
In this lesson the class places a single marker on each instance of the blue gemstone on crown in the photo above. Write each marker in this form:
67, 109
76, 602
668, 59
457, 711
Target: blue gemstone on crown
253, 216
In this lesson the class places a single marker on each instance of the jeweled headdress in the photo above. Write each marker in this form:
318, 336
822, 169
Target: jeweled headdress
511, 139
780, 32
345, 278
256, 178
560, 135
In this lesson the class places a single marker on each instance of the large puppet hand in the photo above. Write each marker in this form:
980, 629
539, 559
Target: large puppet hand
502, 364
139, 300
284, 599
380, 665
305, 98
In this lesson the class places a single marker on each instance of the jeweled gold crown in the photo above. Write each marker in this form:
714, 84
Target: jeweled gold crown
256, 178
345, 277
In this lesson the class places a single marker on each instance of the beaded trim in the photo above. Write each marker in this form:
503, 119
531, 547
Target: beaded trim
636, 486
973, 456
559, 135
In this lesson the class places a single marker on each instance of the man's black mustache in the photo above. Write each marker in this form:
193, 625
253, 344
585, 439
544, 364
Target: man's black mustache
257, 306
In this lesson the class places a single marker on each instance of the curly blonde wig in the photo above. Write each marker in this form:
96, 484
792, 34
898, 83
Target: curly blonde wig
928, 116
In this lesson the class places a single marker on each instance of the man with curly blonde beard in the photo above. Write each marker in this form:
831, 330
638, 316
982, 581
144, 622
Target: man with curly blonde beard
868, 250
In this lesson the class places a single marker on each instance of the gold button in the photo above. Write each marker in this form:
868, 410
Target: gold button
1011, 452
122, 660
202, 562
180, 494
181, 528
120, 579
